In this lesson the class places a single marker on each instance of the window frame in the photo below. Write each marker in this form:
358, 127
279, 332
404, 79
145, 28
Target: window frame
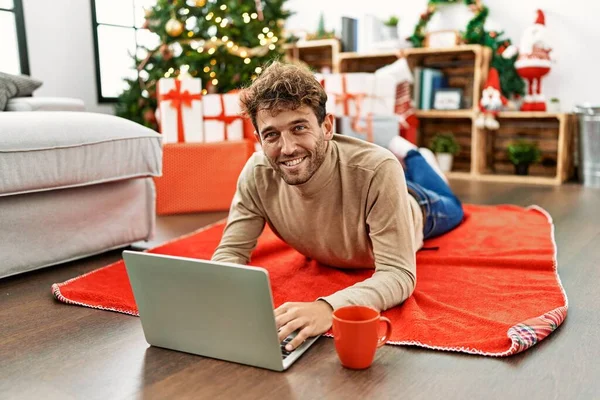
95, 24
17, 10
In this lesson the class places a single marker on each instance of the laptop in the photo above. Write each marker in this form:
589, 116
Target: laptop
212, 309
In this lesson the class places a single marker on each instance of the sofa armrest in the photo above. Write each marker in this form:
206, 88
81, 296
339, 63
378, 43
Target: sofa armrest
45, 104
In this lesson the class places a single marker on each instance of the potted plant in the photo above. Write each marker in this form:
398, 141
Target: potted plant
390, 29
445, 147
554, 105
522, 153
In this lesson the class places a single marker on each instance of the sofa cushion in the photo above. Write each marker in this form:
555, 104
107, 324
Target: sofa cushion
45, 104
50, 150
16, 86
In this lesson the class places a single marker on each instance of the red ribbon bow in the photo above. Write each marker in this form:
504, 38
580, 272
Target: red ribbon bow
344, 98
178, 100
226, 119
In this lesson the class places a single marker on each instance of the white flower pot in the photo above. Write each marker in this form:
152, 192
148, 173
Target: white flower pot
445, 161
553, 107
389, 32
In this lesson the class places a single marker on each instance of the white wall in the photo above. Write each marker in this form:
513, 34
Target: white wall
61, 50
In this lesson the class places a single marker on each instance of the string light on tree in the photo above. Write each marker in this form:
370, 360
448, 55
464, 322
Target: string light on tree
207, 36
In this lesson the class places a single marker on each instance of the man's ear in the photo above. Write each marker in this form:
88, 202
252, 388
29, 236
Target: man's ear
327, 126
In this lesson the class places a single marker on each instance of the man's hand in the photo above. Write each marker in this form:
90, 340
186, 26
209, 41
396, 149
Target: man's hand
311, 319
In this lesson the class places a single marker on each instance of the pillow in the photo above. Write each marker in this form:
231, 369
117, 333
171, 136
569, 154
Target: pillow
15, 86
8, 90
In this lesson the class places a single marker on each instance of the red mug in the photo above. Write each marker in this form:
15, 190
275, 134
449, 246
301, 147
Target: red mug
356, 335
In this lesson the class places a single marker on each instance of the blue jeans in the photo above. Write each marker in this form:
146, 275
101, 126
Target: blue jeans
443, 210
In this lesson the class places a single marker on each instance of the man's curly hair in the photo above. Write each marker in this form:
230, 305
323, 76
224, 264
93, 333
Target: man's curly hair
283, 87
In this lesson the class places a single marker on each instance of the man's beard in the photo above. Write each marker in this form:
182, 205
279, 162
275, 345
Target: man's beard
313, 161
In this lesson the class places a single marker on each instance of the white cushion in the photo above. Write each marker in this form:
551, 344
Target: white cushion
50, 150
45, 104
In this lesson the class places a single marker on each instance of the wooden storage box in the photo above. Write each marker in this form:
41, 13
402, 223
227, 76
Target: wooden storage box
317, 54
554, 134
461, 128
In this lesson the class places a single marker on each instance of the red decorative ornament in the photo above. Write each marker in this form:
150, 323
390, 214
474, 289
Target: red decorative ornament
493, 34
149, 116
166, 53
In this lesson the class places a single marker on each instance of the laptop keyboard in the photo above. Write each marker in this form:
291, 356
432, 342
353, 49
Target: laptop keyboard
284, 352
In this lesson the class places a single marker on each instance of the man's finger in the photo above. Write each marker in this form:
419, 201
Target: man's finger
282, 319
282, 309
299, 339
290, 327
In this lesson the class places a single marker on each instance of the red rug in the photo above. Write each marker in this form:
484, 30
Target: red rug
492, 288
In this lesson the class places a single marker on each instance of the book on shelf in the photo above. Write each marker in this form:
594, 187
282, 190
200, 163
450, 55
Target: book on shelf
349, 34
427, 81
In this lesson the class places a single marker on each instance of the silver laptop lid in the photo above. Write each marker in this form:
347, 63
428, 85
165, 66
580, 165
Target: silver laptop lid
213, 309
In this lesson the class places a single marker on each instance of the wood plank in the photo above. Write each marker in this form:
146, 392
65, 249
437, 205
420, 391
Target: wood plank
410, 52
533, 180
502, 155
500, 144
305, 44
515, 132
562, 149
468, 113
507, 168
529, 114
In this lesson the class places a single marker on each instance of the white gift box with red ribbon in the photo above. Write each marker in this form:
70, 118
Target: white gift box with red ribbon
180, 108
222, 118
330, 106
360, 94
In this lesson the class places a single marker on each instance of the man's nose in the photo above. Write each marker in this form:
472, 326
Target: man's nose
288, 143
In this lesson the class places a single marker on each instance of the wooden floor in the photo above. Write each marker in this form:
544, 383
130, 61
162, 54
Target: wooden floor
51, 350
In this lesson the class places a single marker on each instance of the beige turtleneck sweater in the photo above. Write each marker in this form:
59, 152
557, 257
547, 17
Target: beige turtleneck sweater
354, 212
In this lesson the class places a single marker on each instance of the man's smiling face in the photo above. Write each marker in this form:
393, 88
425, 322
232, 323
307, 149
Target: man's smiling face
294, 142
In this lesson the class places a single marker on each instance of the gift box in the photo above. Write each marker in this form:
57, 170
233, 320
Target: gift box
200, 176
222, 119
375, 129
180, 109
360, 94
349, 93
330, 106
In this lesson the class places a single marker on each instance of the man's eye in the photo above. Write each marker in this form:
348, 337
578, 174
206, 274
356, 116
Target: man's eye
299, 127
270, 135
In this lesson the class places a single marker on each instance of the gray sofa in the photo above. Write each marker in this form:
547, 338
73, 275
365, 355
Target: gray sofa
72, 184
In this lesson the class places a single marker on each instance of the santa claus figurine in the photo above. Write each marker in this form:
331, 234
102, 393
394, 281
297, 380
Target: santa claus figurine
491, 102
533, 62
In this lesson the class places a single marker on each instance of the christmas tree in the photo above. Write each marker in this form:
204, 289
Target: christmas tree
223, 42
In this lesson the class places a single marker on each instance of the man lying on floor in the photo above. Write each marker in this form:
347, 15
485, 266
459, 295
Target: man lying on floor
343, 202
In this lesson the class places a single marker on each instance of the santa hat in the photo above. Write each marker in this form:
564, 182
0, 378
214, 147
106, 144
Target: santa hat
541, 19
493, 79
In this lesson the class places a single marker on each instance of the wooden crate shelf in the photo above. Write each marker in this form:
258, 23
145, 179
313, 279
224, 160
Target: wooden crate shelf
552, 132
483, 153
317, 54
461, 128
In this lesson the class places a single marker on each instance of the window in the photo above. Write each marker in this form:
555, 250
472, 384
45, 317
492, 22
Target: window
118, 35
13, 45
